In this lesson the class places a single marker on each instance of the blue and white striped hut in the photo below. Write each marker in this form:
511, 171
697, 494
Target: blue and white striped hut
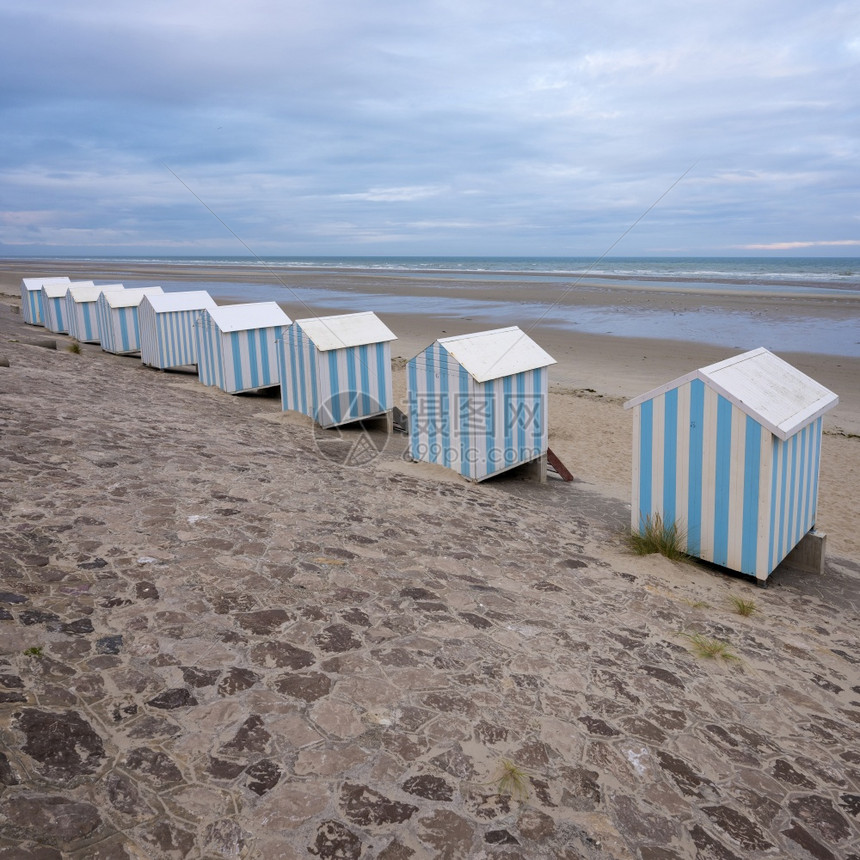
54, 315
237, 346
478, 402
731, 453
82, 311
119, 328
167, 337
31, 297
337, 369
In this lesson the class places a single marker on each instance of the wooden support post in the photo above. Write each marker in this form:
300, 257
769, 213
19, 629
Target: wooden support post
558, 466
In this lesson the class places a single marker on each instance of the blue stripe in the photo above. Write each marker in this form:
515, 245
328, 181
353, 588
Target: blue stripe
774, 502
813, 493
364, 372
696, 461
488, 392
264, 342
522, 420
412, 391
807, 476
123, 329
253, 357
646, 453
509, 411
792, 514
467, 440
445, 412
135, 319
722, 498
431, 405
383, 370
334, 386
541, 419
752, 473
670, 456
783, 501
88, 323
235, 349
351, 382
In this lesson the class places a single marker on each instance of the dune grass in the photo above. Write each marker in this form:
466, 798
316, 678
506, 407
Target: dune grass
655, 535
709, 648
513, 780
743, 606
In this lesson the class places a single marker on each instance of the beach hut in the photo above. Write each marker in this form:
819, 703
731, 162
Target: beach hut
31, 297
82, 312
731, 453
337, 369
478, 402
119, 328
54, 314
167, 337
237, 345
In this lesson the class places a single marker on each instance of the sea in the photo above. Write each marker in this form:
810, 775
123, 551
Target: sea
836, 280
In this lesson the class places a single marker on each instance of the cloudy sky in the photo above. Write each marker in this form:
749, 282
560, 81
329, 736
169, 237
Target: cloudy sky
515, 127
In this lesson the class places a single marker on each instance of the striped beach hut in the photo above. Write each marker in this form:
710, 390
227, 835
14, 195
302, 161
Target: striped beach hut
731, 453
119, 328
478, 402
237, 345
337, 369
167, 335
31, 297
82, 311
54, 313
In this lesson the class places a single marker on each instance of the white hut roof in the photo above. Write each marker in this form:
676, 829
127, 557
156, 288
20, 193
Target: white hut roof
91, 292
493, 354
248, 316
57, 290
130, 298
345, 330
37, 283
762, 385
190, 300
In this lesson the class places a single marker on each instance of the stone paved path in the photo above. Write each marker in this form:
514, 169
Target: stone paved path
216, 643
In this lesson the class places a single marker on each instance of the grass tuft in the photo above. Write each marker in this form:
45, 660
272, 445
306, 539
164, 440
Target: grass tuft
74, 347
657, 536
34, 651
512, 780
743, 606
710, 648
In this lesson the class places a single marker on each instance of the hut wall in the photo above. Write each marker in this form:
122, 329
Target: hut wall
334, 386
167, 338
239, 360
54, 313
31, 305
476, 428
743, 497
82, 320
119, 328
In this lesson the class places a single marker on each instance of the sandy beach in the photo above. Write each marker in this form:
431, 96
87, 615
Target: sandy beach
216, 642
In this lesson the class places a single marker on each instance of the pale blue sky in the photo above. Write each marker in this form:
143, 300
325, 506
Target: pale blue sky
430, 127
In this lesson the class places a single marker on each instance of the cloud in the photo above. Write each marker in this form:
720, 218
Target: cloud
553, 126
793, 246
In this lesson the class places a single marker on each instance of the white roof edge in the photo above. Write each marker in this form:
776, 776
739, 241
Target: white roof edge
516, 353
57, 290
130, 298
662, 389
34, 284
341, 331
81, 293
251, 315
784, 430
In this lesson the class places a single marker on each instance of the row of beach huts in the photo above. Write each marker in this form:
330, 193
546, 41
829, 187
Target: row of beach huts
729, 452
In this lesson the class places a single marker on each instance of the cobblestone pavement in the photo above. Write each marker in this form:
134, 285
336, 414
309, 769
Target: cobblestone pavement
215, 642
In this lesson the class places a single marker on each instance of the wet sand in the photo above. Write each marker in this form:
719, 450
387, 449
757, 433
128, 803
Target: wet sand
217, 642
